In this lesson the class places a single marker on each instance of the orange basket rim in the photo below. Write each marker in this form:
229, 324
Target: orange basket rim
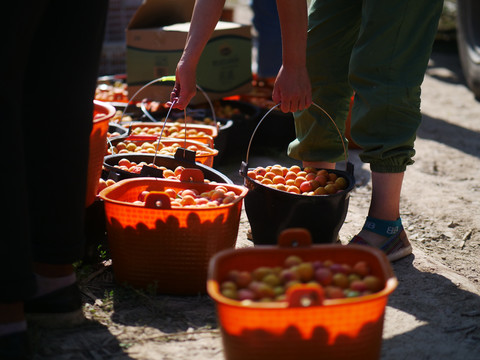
108, 110
104, 194
181, 141
201, 145
213, 285
213, 130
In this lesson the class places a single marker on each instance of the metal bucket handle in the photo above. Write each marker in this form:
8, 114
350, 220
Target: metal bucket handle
181, 153
170, 78
184, 154
244, 167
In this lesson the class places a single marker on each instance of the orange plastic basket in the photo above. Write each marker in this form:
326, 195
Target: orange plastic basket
162, 248
102, 113
210, 131
333, 329
206, 157
204, 154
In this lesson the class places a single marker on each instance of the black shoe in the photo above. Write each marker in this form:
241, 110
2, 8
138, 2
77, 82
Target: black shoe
15, 346
60, 308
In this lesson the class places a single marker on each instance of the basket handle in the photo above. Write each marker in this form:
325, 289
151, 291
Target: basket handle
158, 138
157, 200
170, 78
212, 109
191, 175
183, 154
244, 166
294, 237
305, 295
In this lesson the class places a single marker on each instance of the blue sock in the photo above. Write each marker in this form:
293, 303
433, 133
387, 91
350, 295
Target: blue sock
383, 227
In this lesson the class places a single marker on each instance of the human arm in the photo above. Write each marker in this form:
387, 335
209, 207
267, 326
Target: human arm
205, 16
292, 86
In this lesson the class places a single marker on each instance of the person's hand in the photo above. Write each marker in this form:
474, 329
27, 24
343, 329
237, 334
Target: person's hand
185, 86
292, 89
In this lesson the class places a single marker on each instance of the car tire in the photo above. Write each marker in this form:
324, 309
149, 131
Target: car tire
468, 40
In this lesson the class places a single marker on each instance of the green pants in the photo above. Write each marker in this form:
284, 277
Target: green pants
379, 50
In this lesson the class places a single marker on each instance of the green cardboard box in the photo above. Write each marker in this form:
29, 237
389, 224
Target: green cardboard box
153, 52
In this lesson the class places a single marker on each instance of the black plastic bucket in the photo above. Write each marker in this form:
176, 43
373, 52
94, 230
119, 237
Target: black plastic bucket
270, 211
117, 128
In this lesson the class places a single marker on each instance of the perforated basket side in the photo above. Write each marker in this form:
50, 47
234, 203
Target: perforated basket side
337, 329
167, 250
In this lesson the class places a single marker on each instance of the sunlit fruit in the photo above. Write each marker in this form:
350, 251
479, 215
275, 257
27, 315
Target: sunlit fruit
341, 280
361, 268
305, 271
308, 181
373, 283
323, 276
292, 260
193, 198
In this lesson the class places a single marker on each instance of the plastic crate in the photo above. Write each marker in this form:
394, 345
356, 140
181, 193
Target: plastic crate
333, 329
162, 248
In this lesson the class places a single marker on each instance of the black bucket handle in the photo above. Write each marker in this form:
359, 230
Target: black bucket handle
244, 166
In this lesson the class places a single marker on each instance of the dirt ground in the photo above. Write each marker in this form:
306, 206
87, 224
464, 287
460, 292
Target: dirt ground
433, 314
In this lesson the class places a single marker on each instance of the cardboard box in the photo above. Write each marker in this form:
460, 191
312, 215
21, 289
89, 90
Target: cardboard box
154, 49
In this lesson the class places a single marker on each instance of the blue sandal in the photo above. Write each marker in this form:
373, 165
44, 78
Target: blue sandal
395, 246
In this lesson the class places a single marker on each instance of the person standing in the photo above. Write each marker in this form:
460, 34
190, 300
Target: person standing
49, 68
292, 85
379, 50
375, 49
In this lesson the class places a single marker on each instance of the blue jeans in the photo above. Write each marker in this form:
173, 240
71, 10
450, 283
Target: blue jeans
269, 40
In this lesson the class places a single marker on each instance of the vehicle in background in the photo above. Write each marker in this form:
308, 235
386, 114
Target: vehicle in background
468, 42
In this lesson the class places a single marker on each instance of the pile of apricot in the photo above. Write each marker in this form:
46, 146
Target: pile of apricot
307, 181
162, 148
175, 130
267, 283
116, 91
192, 197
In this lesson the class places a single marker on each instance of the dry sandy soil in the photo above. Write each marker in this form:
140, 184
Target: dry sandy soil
433, 314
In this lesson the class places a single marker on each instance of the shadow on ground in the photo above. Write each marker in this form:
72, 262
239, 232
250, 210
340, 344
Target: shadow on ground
439, 311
